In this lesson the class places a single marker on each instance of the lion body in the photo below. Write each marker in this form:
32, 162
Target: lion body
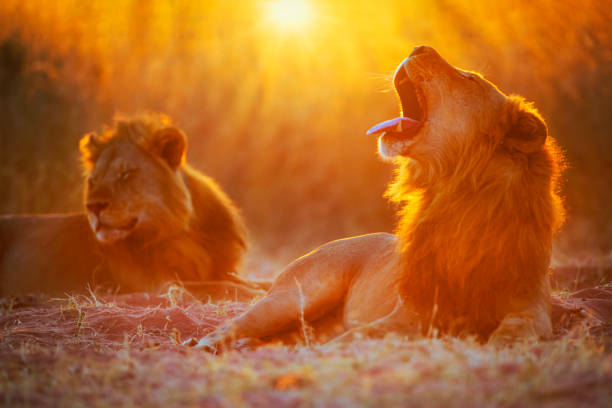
182, 227
51, 254
477, 185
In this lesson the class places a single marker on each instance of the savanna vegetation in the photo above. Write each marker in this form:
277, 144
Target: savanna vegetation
277, 113
126, 351
276, 110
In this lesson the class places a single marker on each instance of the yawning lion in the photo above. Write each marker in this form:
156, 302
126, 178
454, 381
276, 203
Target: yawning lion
477, 182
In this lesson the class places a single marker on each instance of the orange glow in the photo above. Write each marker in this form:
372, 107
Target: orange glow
281, 92
293, 15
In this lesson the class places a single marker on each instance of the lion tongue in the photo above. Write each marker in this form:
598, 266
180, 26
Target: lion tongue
405, 127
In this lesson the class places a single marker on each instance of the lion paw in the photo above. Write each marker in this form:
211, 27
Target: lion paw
210, 343
512, 330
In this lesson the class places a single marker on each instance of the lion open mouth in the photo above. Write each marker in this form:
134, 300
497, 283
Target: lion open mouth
124, 227
107, 233
412, 104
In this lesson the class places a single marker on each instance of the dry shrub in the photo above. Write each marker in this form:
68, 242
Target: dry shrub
278, 117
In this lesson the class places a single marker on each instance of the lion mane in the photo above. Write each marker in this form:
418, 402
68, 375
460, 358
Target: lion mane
461, 266
207, 238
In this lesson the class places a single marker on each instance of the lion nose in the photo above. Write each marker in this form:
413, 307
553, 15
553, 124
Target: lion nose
96, 207
422, 49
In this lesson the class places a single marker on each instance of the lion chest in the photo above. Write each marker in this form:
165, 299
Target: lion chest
151, 268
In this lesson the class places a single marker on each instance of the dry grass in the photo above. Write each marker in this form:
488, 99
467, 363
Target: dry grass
126, 351
278, 118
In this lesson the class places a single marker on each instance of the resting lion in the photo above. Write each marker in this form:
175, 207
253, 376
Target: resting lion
477, 184
150, 219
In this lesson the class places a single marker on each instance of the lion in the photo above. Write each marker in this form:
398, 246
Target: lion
150, 219
477, 185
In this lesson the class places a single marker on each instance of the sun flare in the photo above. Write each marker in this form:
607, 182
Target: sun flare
289, 14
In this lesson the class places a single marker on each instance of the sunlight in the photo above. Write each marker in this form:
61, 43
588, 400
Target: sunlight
292, 15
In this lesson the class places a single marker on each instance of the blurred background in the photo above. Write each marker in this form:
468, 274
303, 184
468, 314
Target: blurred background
275, 97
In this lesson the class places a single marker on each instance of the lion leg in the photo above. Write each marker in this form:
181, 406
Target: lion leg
309, 288
529, 325
401, 320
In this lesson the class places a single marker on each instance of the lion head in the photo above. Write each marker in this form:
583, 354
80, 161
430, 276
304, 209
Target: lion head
134, 188
452, 117
156, 218
477, 182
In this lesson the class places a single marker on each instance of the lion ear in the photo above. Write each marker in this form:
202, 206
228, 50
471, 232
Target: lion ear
527, 132
89, 146
170, 144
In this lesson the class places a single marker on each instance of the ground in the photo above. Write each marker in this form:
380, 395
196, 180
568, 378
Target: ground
126, 350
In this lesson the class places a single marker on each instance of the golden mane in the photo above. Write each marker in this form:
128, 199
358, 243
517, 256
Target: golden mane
476, 227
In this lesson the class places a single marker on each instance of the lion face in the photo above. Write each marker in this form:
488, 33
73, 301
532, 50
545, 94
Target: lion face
135, 191
445, 110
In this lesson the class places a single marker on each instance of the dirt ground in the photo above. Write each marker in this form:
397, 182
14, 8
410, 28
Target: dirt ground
126, 350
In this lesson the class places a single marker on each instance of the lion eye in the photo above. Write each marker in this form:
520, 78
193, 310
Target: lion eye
469, 75
126, 174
